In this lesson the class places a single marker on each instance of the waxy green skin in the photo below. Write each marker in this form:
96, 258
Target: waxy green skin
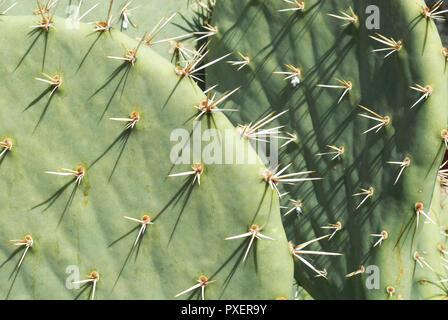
323, 50
180, 245
145, 16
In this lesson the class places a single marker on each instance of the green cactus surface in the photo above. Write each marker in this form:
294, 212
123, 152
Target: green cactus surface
317, 48
46, 127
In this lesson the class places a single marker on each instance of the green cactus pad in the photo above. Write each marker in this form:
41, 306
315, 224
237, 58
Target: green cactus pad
81, 227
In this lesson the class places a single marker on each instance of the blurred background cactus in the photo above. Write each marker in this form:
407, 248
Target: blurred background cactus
365, 114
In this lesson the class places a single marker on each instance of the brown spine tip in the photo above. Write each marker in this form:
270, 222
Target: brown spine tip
445, 52
407, 161
418, 206
390, 290
444, 133
255, 228
94, 275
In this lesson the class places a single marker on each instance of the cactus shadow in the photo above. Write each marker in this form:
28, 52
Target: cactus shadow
122, 237
406, 231
426, 35
38, 98
83, 288
241, 250
239, 253
273, 47
3, 158
68, 203
413, 23
260, 203
124, 68
133, 248
185, 192
45, 109
194, 24
39, 33
14, 272
122, 139
441, 285
84, 58
10, 257
172, 92
187, 189
55, 196
242, 17
436, 160
195, 294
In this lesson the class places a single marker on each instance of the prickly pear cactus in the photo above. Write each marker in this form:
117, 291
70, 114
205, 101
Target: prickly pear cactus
365, 83
83, 148
133, 17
